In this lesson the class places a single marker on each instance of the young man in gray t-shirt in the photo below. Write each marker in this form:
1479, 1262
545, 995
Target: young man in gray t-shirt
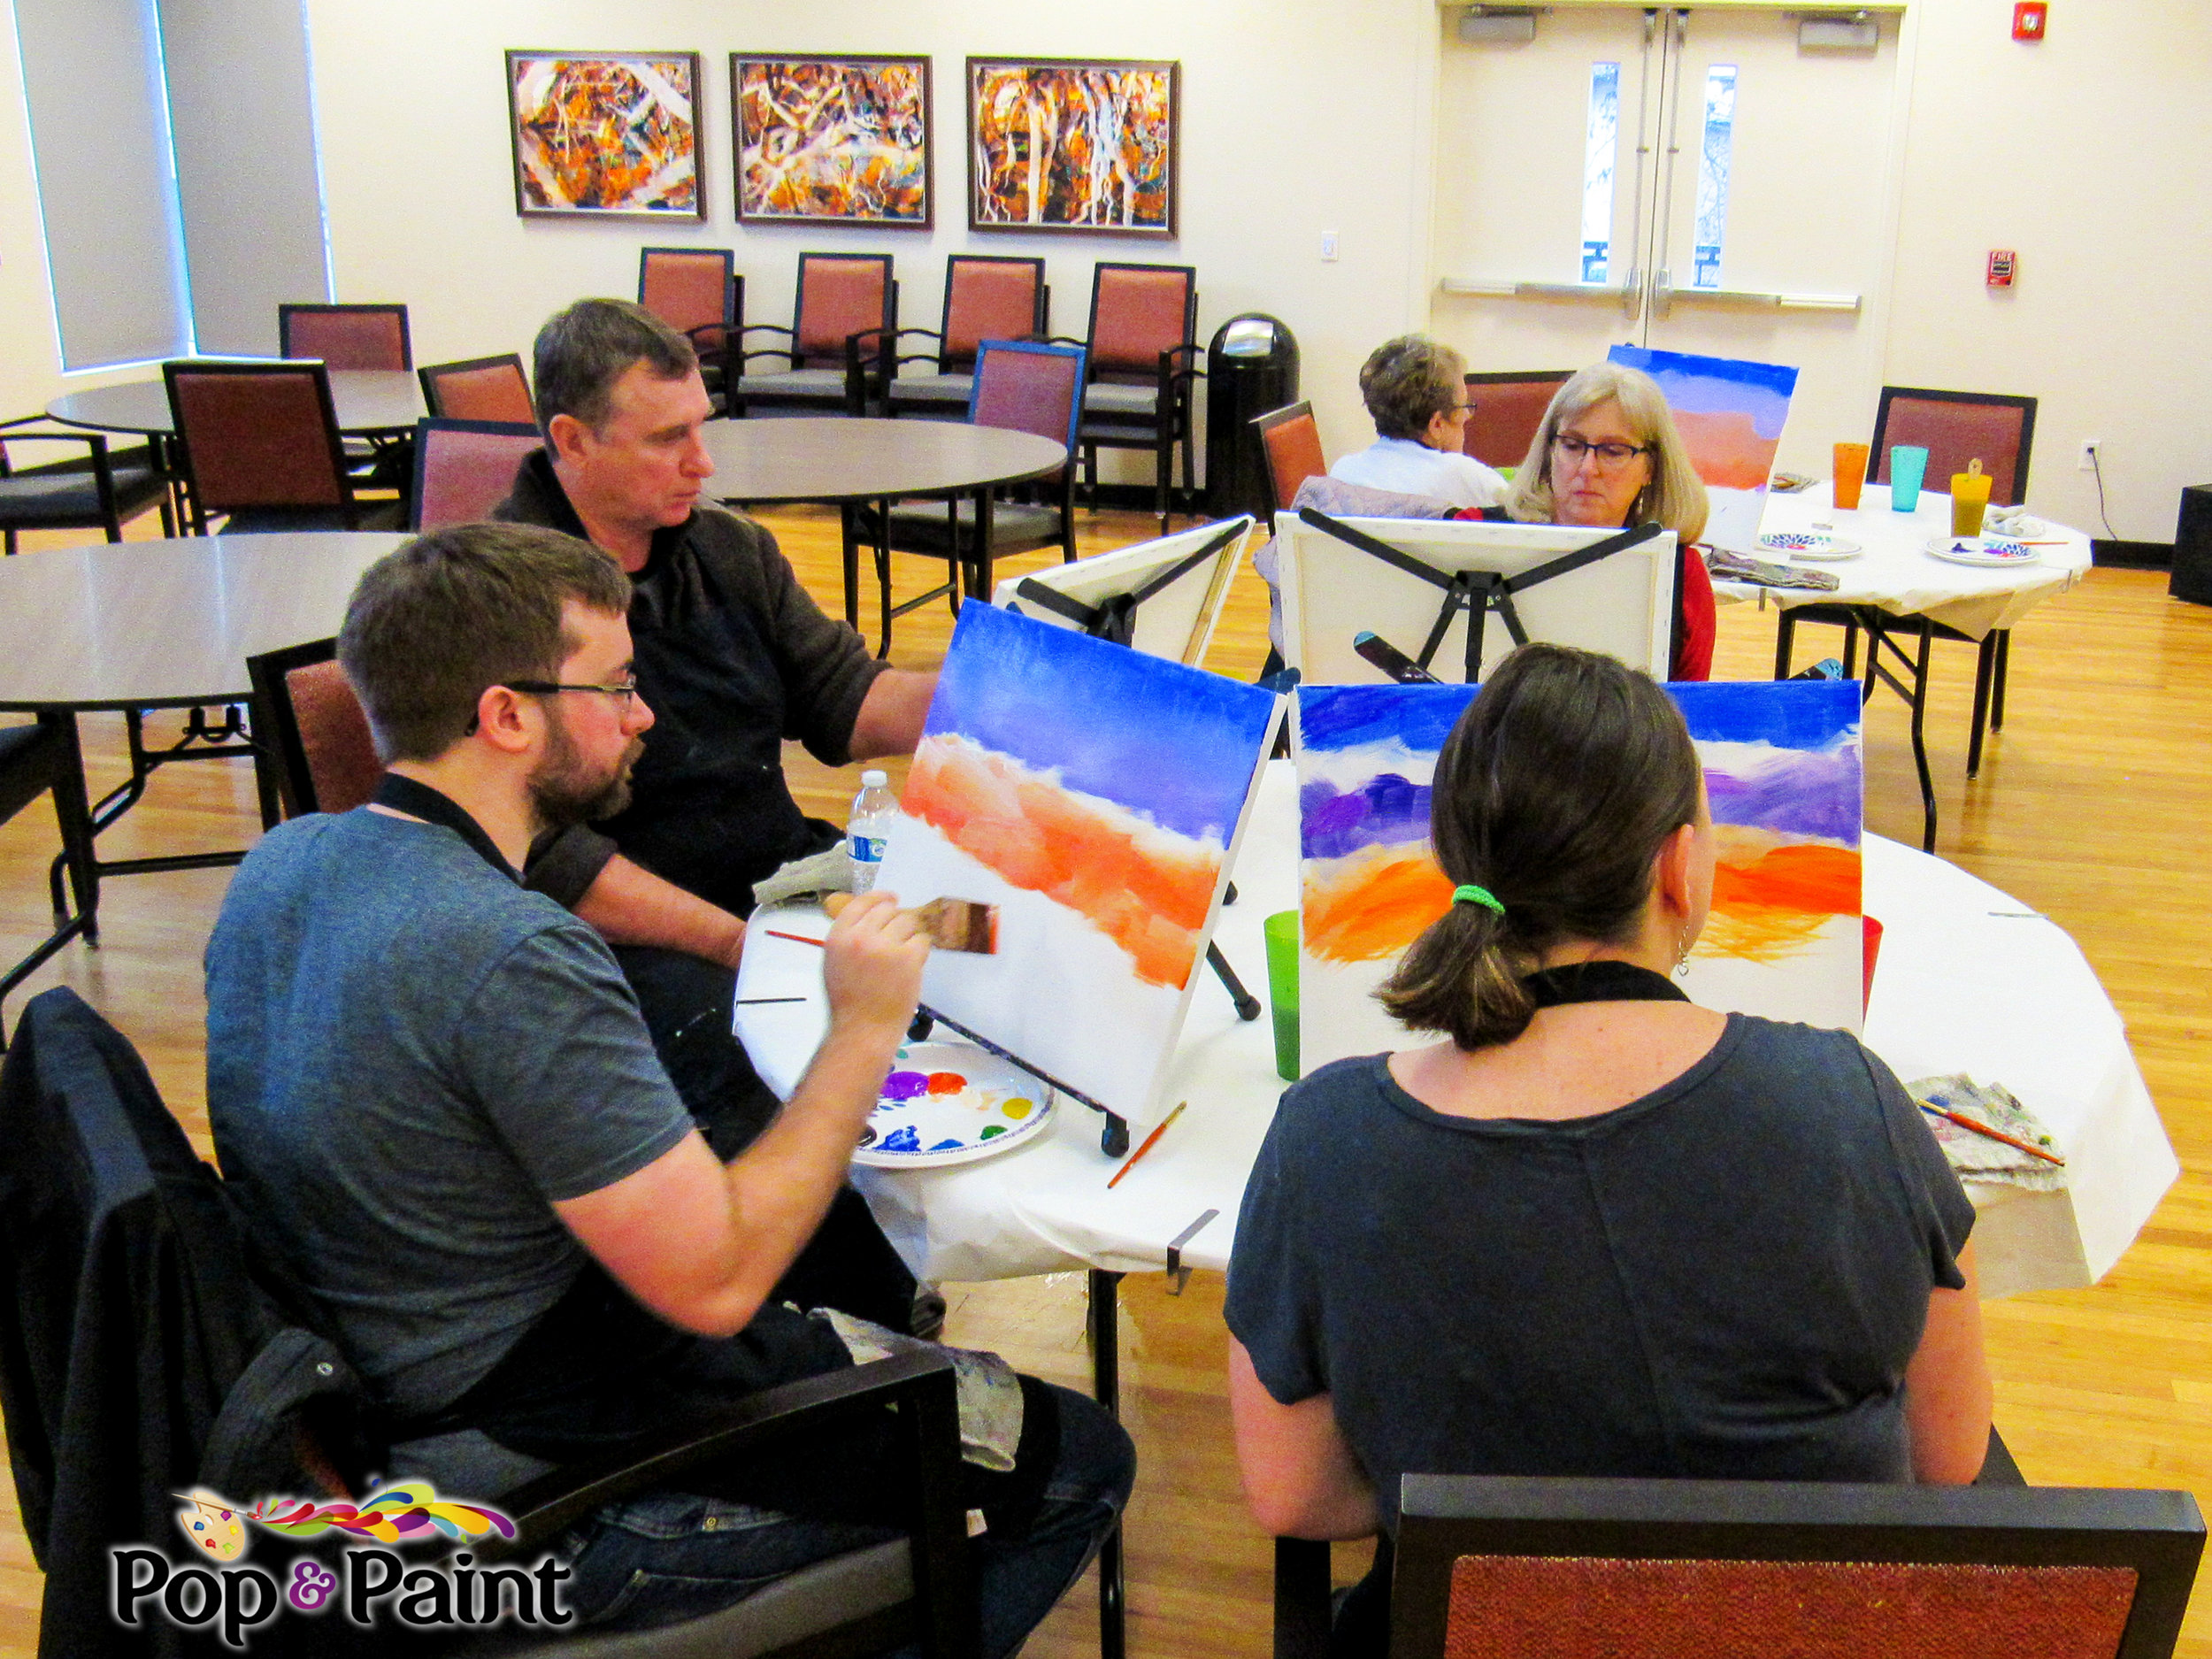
440, 1106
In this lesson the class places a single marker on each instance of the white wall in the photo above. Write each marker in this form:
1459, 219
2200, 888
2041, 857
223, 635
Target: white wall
421, 206
2085, 152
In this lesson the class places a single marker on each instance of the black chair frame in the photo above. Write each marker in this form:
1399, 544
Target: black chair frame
430, 424
867, 370
733, 284
1180, 370
287, 310
918, 1387
111, 510
2004, 400
33, 760
346, 507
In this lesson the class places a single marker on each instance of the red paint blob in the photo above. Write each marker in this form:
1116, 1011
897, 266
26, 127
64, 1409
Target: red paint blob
946, 1083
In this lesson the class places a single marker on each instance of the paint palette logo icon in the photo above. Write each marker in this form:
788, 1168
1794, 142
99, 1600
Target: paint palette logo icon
211, 1525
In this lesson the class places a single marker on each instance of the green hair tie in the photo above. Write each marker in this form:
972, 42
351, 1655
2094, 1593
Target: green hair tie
1472, 894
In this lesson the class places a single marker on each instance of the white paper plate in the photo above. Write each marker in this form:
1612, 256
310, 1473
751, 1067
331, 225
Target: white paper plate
950, 1103
1808, 544
1988, 551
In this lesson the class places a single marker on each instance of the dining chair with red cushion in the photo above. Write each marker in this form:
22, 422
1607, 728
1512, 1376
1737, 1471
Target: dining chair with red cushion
1020, 386
988, 296
346, 336
1995, 428
259, 442
465, 468
697, 292
478, 389
1508, 407
837, 352
305, 712
1291, 443
1143, 361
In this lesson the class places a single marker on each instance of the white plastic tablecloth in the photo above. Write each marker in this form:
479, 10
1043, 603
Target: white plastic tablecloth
1898, 574
1968, 981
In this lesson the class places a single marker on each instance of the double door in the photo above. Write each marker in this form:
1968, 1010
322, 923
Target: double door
1690, 179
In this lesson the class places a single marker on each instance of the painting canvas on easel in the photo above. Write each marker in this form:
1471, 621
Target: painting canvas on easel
1095, 795
1730, 413
1172, 590
1782, 770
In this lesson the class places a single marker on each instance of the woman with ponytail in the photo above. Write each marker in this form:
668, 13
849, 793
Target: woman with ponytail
1599, 1229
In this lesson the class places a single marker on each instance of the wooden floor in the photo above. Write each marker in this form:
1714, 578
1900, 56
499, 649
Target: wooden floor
2092, 806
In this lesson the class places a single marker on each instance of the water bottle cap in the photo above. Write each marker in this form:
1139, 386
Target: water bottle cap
872, 779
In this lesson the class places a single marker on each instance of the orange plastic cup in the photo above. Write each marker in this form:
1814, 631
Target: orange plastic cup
1970, 499
1850, 473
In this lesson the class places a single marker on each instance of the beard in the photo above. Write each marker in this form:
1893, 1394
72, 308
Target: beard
564, 790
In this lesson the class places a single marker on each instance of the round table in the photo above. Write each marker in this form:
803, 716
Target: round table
1904, 599
149, 625
761, 462
1969, 980
1897, 574
369, 402
846, 462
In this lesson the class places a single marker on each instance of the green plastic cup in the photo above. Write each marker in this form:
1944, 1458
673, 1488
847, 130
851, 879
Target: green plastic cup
1282, 989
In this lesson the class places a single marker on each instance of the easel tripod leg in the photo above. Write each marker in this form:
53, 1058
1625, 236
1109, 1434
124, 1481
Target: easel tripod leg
1105, 1331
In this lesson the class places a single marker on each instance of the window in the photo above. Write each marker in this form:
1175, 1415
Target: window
1712, 174
1600, 145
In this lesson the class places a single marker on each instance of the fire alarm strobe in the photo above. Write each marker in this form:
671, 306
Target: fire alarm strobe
2000, 267
2028, 19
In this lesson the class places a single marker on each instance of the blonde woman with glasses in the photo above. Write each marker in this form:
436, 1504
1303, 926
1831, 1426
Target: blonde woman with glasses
1608, 454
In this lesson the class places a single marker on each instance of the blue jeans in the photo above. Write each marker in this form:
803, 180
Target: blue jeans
667, 1557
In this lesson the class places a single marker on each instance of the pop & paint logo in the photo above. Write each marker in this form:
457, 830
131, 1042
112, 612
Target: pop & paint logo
368, 1586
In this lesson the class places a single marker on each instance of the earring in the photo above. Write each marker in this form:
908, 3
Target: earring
1682, 943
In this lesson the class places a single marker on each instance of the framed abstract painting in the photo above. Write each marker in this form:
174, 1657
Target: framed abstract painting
605, 134
835, 140
1067, 144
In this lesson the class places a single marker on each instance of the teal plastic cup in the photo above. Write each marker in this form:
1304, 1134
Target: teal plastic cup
1908, 465
1282, 989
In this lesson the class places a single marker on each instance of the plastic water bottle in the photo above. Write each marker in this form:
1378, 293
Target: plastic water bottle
873, 809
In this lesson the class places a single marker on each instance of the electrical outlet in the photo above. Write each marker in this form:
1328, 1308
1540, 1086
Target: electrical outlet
2091, 448
1328, 245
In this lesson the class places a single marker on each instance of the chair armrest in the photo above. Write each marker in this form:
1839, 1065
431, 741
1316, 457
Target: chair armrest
923, 1381
1057, 340
745, 354
857, 368
96, 444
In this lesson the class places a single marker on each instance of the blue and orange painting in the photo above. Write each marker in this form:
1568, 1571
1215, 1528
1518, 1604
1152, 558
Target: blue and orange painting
1730, 411
1093, 793
1783, 776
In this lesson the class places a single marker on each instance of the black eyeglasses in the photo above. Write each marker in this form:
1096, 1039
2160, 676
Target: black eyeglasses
1609, 455
623, 693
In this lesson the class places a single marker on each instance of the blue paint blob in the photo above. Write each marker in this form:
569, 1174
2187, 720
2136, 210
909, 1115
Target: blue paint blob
902, 1139
948, 1146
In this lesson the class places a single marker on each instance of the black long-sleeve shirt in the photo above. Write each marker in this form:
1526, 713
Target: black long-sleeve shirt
733, 657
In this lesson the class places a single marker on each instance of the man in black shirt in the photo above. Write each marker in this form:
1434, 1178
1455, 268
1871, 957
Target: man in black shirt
733, 657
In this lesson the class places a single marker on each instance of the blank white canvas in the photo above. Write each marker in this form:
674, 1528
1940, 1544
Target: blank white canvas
1179, 621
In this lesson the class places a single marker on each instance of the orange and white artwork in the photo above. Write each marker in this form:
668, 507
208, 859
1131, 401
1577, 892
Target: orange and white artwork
1061, 145
845, 139
605, 133
1095, 795
1783, 775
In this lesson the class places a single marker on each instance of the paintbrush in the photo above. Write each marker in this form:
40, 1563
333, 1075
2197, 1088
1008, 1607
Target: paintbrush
1150, 1142
964, 924
1980, 1128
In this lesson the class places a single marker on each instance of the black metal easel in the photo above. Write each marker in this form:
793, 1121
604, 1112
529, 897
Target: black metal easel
1476, 592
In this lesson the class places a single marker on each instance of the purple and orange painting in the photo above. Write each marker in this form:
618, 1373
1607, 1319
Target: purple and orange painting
1782, 772
1730, 413
1094, 795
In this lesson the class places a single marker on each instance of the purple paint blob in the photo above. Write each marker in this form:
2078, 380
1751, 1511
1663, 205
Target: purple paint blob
1386, 811
904, 1085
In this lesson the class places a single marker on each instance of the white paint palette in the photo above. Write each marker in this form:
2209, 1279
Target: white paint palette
950, 1103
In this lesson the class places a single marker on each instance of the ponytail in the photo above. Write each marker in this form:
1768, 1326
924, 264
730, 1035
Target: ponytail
1554, 792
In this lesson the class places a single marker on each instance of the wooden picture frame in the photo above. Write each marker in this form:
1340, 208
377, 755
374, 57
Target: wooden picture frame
1009, 191
580, 152
863, 123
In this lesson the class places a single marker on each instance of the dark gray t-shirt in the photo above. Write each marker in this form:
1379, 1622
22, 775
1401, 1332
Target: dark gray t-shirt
410, 1058
1724, 1280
